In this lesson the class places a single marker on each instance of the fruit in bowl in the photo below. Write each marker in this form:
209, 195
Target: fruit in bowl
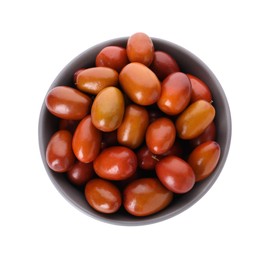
134, 130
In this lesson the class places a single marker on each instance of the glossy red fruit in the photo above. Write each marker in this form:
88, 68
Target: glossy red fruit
77, 73
194, 119
108, 109
68, 103
116, 163
175, 93
80, 173
175, 174
140, 84
114, 57
131, 132
209, 134
146, 196
204, 158
163, 65
146, 159
140, 48
86, 141
59, 154
103, 196
199, 89
93, 80
160, 135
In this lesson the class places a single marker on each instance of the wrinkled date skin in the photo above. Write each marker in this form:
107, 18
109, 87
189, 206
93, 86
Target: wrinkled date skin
80, 173
140, 48
68, 103
140, 84
175, 174
204, 158
103, 196
131, 132
146, 196
59, 154
195, 119
112, 57
160, 135
108, 109
93, 80
86, 141
116, 163
163, 65
199, 89
175, 93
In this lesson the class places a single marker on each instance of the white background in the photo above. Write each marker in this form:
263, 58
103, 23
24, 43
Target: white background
234, 38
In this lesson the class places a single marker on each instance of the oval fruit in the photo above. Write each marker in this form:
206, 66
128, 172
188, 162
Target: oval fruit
209, 134
199, 89
160, 135
175, 93
114, 57
131, 132
146, 159
163, 65
93, 80
67, 103
108, 109
103, 196
116, 163
76, 73
59, 154
195, 119
175, 174
140, 48
204, 158
140, 84
146, 196
86, 141
80, 173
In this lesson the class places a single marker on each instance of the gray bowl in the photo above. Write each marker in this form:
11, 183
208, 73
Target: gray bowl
188, 63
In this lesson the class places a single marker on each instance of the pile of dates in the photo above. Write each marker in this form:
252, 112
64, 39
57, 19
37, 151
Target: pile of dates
133, 130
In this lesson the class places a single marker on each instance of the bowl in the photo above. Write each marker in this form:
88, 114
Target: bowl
188, 63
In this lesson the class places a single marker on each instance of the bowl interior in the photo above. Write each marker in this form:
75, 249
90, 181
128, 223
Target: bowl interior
188, 63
